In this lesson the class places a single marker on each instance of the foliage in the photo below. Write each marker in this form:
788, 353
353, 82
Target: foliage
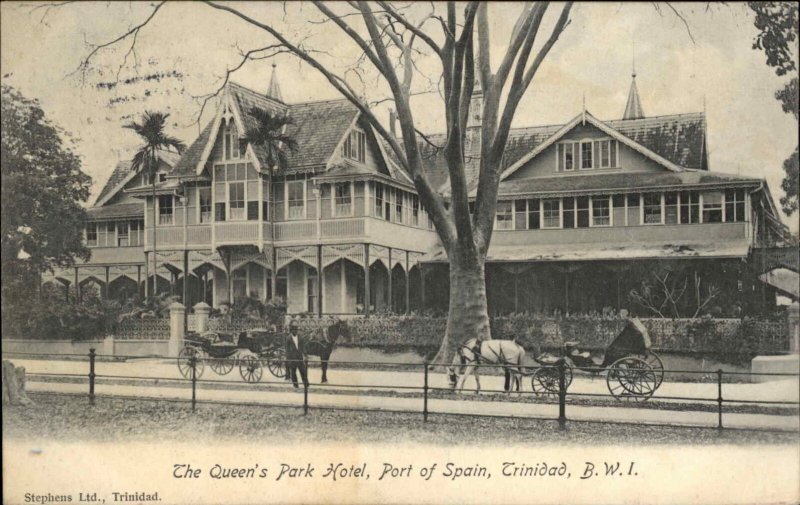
662, 294
777, 24
42, 188
271, 313
151, 307
50, 317
269, 133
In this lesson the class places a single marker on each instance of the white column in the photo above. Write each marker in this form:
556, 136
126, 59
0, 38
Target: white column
176, 328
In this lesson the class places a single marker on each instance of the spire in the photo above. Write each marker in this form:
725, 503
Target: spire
633, 108
274, 90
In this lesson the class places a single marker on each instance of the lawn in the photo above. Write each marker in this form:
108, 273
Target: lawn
61, 417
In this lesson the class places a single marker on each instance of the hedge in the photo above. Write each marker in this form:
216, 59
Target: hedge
703, 335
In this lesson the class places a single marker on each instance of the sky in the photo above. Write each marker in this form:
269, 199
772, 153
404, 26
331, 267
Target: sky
708, 66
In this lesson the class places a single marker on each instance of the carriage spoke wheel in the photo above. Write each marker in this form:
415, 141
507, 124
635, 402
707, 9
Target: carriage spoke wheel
655, 363
185, 362
250, 369
544, 380
222, 366
631, 379
276, 362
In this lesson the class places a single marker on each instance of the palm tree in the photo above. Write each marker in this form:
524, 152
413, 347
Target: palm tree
269, 133
151, 131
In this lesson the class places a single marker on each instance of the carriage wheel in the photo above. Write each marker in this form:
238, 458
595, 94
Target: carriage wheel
276, 362
222, 366
544, 381
655, 363
250, 369
631, 379
185, 362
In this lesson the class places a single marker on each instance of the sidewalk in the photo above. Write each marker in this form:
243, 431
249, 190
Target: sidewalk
784, 390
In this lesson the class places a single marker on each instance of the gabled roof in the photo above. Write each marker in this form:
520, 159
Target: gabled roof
678, 138
622, 182
123, 173
318, 128
586, 117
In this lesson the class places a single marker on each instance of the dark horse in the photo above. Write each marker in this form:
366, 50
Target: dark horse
324, 347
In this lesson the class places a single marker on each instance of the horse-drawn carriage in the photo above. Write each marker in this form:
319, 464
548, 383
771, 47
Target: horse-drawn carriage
633, 371
249, 351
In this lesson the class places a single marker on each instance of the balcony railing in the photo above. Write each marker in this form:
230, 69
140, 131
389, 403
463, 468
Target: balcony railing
236, 232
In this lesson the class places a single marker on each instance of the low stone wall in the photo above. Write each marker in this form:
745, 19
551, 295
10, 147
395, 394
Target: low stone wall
110, 346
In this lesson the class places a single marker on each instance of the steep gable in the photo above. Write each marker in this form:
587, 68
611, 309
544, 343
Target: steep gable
123, 177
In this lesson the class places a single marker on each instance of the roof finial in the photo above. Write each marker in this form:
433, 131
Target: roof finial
633, 107
274, 90
584, 107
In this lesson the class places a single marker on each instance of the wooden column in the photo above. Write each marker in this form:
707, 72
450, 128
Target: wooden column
319, 278
146, 275
77, 287
366, 280
408, 287
389, 282
108, 277
139, 280
229, 273
185, 296
566, 292
422, 286
274, 272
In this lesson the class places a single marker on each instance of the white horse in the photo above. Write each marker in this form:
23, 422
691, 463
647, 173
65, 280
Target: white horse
506, 353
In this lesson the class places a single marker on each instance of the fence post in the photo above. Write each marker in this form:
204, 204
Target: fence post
562, 394
305, 397
425, 394
193, 364
719, 398
91, 376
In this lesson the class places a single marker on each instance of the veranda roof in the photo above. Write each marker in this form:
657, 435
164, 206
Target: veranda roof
604, 252
784, 280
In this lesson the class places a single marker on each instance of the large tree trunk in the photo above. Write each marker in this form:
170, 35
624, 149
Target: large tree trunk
468, 315
14, 385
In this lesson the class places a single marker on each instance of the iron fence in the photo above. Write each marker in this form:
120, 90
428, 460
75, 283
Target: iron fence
425, 390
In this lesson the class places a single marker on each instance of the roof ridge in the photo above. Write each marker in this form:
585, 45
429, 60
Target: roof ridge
262, 96
312, 102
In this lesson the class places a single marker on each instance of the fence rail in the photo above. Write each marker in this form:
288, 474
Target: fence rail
424, 388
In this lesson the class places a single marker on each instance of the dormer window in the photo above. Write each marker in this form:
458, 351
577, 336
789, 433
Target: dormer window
355, 146
233, 150
587, 155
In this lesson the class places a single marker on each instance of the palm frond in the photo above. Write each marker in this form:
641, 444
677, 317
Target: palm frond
268, 132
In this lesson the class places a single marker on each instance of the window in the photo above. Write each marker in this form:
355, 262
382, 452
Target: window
520, 214
91, 234
252, 211
415, 210
652, 208
583, 211
311, 276
533, 214
265, 200
569, 212
236, 201
712, 207
165, 209
734, 205
240, 283
618, 210
377, 208
343, 199
504, 218
551, 213
231, 140
690, 207
398, 205
295, 196
122, 234
281, 284
162, 177
670, 208
136, 232
204, 204
633, 210
586, 156
601, 211
605, 153
567, 156
355, 146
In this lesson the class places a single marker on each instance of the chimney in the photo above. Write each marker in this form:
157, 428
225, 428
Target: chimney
392, 123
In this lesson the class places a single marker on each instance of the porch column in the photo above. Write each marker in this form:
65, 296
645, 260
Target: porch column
185, 296
108, 276
139, 280
146, 275
566, 292
77, 287
408, 280
319, 279
229, 273
422, 286
391, 302
366, 280
274, 272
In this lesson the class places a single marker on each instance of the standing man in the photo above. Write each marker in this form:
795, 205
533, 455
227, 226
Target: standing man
296, 355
